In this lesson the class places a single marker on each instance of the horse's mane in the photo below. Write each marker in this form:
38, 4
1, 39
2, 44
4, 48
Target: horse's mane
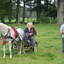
4, 27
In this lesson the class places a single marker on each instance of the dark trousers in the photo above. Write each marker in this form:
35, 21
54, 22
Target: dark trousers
63, 45
32, 39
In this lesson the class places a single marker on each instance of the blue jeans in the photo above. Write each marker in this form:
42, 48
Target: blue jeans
63, 45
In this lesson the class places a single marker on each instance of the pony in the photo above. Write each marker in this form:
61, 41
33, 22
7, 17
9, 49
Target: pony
8, 36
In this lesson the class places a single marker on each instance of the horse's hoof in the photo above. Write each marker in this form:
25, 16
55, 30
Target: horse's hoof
11, 56
19, 53
3, 57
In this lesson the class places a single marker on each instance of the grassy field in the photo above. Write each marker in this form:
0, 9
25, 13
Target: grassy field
14, 20
49, 47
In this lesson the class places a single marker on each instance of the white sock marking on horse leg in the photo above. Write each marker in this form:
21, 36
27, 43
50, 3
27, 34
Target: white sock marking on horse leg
4, 50
10, 49
20, 48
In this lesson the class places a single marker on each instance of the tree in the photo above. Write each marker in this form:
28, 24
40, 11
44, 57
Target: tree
10, 11
60, 11
34, 5
17, 14
4, 9
46, 3
63, 11
38, 8
23, 12
27, 15
30, 9
52, 11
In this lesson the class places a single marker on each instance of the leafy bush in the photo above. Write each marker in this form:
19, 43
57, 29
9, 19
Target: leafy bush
44, 19
53, 21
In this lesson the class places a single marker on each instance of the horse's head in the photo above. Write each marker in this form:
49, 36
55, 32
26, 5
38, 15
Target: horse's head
4, 28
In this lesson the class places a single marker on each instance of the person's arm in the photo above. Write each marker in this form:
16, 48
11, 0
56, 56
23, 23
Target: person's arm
61, 32
25, 31
34, 31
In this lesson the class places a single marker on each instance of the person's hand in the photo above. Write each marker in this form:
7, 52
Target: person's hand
30, 34
61, 32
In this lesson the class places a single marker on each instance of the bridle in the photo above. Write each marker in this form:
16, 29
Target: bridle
4, 37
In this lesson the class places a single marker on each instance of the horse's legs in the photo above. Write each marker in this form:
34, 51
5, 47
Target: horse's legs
10, 49
4, 51
12, 45
21, 48
18, 48
22, 45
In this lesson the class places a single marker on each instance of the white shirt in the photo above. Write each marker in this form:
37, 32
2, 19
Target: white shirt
62, 29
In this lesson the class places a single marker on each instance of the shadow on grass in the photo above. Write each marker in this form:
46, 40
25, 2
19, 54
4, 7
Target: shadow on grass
28, 50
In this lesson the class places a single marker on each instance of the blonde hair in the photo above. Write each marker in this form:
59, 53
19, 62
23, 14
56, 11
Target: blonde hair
28, 25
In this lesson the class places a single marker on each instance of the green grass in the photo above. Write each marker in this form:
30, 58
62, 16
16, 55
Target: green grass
14, 20
49, 47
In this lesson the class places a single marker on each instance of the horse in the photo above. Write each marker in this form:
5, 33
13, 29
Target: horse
8, 36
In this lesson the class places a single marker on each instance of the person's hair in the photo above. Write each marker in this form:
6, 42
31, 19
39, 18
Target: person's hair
29, 24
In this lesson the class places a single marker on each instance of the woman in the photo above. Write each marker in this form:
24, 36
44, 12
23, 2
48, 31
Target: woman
30, 32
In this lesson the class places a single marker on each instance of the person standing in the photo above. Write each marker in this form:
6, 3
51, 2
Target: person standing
62, 32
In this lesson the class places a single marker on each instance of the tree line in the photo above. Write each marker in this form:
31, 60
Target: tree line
12, 8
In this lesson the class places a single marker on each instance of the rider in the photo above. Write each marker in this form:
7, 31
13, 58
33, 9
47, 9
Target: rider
30, 32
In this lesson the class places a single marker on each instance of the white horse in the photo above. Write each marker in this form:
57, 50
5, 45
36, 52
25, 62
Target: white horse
8, 31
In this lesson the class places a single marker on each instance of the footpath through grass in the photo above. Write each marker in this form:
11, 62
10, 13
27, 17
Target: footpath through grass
49, 47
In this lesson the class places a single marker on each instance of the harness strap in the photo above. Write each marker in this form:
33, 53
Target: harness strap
3, 43
15, 32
